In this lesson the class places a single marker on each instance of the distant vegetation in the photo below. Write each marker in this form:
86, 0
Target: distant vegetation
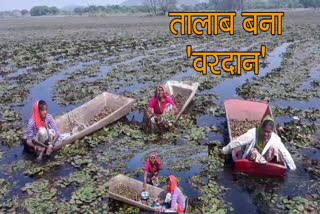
43, 11
161, 7
109, 9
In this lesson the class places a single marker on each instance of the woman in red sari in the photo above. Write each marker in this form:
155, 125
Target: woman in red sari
152, 169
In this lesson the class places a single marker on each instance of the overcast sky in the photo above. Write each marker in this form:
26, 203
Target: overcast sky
28, 4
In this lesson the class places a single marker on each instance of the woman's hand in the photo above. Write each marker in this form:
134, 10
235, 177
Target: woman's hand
38, 148
150, 112
157, 210
49, 149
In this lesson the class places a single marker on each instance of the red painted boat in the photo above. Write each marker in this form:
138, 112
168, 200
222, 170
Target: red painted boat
251, 110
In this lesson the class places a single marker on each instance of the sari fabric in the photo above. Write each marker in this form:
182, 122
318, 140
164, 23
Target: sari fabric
37, 117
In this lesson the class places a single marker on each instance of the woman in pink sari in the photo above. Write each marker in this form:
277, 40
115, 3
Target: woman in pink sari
161, 102
152, 169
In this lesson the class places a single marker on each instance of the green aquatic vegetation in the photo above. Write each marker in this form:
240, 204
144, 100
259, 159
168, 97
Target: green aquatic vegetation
10, 115
168, 119
21, 164
186, 122
40, 189
197, 181
180, 165
184, 164
80, 177
197, 134
316, 171
211, 201
79, 161
151, 137
89, 193
103, 157
215, 160
285, 82
66, 208
4, 187
92, 142
47, 195
11, 137
73, 149
36, 187
217, 111
202, 103
136, 172
84, 194
34, 171
298, 134
311, 114
37, 205
130, 131
169, 137
7, 205
133, 142
299, 204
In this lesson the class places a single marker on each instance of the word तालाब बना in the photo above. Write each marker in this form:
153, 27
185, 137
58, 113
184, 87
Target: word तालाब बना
225, 21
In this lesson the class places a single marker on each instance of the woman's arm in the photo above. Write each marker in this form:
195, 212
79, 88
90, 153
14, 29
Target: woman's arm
53, 125
242, 140
145, 181
30, 134
286, 155
150, 112
151, 107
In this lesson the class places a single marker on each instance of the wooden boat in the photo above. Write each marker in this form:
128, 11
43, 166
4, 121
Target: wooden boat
79, 118
241, 110
154, 192
185, 90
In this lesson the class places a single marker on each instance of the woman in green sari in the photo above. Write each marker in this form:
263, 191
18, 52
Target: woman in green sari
262, 145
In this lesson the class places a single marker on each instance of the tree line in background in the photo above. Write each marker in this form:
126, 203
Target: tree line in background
162, 7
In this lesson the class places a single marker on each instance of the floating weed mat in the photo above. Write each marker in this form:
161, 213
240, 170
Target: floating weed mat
310, 114
211, 199
299, 204
298, 134
16, 166
10, 123
285, 82
4, 187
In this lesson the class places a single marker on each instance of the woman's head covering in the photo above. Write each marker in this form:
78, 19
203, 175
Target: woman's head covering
157, 165
259, 131
173, 184
36, 116
267, 118
165, 90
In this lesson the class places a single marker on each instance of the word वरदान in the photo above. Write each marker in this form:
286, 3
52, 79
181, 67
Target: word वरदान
250, 61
